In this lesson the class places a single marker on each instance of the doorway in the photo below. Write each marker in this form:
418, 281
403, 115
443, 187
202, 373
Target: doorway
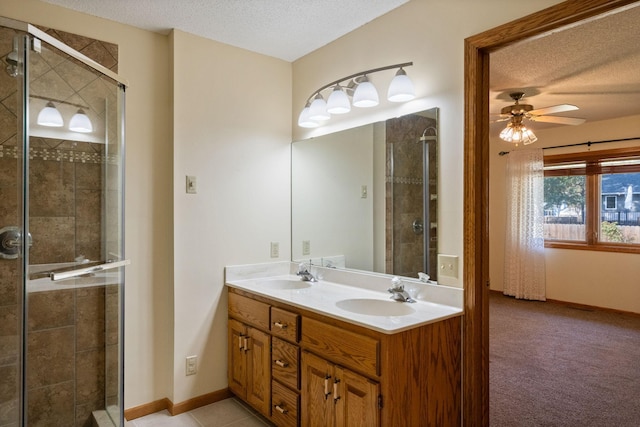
476, 186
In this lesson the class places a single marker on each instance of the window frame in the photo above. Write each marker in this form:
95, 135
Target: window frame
606, 203
592, 169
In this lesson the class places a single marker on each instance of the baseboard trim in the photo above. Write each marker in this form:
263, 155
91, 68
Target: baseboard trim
178, 408
580, 306
196, 402
146, 409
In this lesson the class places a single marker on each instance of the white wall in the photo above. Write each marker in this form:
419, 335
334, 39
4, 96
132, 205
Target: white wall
231, 131
430, 33
601, 279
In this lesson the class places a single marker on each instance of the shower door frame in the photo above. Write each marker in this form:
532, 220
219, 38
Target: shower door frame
28, 41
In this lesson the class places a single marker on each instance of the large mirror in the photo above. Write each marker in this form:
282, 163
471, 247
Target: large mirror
367, 198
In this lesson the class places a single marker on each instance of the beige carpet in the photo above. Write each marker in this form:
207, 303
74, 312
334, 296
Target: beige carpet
554, 365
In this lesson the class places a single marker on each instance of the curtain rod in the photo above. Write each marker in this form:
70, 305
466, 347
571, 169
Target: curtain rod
588, 143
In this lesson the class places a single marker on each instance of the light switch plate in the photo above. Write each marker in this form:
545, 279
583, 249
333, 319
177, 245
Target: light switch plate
191, 185
275, 249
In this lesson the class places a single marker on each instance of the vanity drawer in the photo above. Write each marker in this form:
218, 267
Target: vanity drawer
285, 358
284, 324
284, 412
249, 311
346, 348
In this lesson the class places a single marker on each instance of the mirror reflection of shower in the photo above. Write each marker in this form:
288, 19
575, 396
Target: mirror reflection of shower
412, 196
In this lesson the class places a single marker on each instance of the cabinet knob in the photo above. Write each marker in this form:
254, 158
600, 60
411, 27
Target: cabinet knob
281, 363
280, 409
280, 325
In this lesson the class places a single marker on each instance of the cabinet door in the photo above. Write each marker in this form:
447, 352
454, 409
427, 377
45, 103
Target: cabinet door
259, 371
317, 386
237, 367
356, 399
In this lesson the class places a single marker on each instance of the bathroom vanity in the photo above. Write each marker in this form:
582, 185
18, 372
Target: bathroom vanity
330, 353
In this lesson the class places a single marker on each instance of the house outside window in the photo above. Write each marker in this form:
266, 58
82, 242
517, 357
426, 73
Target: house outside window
592, 200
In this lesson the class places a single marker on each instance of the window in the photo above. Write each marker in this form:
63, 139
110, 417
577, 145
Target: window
610, 203
592, 200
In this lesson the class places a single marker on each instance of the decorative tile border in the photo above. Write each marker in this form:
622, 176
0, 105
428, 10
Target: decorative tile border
57, 155
404, 180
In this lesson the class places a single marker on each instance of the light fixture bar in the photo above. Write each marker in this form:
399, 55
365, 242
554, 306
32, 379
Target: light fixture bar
59, 101
361, 73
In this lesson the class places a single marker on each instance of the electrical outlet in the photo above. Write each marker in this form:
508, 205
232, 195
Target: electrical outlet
364, 192
191, 365
191, 185
448, 266
275, 249
306, 247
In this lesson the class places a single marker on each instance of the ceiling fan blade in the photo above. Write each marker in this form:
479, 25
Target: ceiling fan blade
504, 119
553, 109
558, 120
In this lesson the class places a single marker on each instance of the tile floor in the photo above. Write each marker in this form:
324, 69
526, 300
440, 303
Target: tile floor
226, 413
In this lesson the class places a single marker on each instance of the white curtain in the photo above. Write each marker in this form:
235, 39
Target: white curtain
524, 272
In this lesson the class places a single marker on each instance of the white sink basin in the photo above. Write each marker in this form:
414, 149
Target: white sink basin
375, 307
283, 284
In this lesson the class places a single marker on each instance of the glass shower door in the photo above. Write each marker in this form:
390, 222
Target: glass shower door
61, 221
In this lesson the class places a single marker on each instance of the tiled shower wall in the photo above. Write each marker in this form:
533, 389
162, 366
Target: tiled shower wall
404, 195
69, 335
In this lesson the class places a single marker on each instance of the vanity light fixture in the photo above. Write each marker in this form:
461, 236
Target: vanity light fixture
50, 116
362, 92
80, 122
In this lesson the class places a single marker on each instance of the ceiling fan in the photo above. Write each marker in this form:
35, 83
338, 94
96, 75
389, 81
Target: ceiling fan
517, 132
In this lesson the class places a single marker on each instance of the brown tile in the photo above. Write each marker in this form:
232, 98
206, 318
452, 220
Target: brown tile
112, 373
89, 206
90, 376
9, 338
112, 318
9, 282
88, 243
84, 412
51, 406
53, 240
9, 415
90, 321
51, 309
100, 53
9, 383
50, 357
51, 188
88, 176
8, 123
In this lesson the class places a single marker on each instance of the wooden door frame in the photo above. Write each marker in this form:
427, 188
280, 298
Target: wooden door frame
475, 328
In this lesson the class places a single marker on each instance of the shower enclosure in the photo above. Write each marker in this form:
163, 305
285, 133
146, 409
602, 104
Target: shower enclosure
412, 194
61, 233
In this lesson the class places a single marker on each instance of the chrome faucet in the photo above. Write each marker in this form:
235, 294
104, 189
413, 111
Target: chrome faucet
305, 274
398, 292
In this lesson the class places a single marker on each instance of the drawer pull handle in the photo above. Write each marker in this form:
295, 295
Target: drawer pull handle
281, 363
280, 325
240, 341
335, 391
327, 392
246, 344
280, 409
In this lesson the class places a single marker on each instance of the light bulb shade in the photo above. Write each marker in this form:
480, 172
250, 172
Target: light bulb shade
318, 109
338, 102
518, 133
304, 121
80, 122
50, 116
365, 94
401, 88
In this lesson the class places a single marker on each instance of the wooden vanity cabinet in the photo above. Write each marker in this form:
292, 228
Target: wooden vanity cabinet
320, 371
249, 353
335, 396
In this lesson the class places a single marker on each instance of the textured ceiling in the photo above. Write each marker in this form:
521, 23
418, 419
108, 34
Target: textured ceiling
595, 66
285, 29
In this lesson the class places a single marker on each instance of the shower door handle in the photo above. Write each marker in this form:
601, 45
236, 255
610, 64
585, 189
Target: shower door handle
87, 270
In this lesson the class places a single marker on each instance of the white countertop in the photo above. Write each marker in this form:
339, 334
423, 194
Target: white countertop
324, 296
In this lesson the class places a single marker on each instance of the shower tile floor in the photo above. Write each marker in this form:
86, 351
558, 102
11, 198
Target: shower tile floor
226, 413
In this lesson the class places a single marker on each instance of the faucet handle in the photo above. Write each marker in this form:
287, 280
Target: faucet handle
302, 268
396, 283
